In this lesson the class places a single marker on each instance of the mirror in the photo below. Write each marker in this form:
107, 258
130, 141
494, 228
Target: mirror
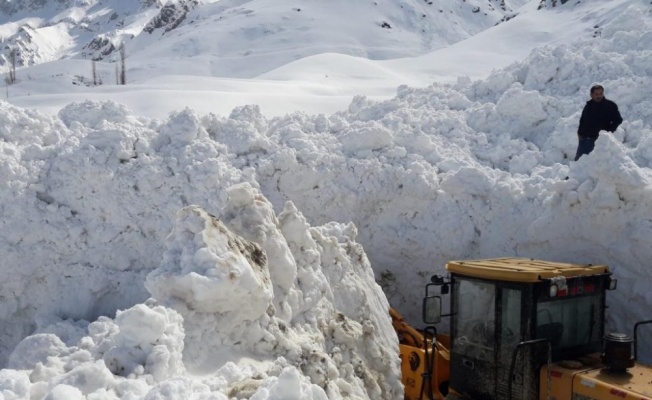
432, 310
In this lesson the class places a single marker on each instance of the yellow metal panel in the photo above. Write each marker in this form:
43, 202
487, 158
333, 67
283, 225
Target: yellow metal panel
635, 383
561, 383
589, 379
516, 269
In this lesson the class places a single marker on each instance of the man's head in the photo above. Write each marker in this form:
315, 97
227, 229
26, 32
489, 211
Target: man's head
597, 93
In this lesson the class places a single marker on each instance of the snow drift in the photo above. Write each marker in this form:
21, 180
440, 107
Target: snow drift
294, 313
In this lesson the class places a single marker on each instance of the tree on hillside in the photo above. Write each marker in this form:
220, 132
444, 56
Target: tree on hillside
123, 74
94, 73
11, 79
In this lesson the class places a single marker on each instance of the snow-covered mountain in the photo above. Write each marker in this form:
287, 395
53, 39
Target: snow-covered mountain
267, 46
42, 30
45, 30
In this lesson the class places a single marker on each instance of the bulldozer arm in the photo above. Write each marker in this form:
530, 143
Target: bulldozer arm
425, 360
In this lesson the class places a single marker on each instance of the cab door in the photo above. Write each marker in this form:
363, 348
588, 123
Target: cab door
512, 310
473, 341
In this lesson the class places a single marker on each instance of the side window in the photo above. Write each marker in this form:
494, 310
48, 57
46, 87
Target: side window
569, 322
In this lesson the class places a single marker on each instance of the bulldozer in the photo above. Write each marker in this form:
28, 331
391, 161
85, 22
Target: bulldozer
520, 328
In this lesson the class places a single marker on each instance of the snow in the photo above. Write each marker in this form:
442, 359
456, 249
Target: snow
188, 246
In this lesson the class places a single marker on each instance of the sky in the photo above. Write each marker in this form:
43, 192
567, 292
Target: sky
219, 230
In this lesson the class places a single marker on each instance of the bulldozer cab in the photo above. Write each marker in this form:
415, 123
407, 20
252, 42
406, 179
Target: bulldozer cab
497, 304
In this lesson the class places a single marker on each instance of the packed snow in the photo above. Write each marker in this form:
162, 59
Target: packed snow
208, 256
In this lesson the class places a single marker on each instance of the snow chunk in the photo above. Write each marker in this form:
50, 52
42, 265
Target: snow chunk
210, 270
182, 128
140, 325
521, 108
92, 114
65, 392
34, 349
86, 378
367, 137
290, 385
251, 216
14, 385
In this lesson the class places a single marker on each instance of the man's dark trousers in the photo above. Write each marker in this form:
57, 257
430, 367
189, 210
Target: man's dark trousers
585, 146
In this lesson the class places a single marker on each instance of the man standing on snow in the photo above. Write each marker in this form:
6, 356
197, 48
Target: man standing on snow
599, 114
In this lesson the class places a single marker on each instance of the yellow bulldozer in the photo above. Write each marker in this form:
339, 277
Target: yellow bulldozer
520, 329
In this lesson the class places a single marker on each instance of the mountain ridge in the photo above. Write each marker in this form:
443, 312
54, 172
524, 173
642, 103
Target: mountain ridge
95, 29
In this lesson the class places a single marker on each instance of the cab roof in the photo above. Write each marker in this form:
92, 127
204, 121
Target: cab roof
516, 269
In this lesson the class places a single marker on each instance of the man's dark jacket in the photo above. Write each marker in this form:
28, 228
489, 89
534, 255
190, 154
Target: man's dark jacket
599, 116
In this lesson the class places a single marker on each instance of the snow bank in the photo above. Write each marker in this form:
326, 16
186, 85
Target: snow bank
477, 169
219, 325
88, 199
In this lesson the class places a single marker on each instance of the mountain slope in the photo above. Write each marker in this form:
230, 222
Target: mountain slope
196, 56
213, 32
